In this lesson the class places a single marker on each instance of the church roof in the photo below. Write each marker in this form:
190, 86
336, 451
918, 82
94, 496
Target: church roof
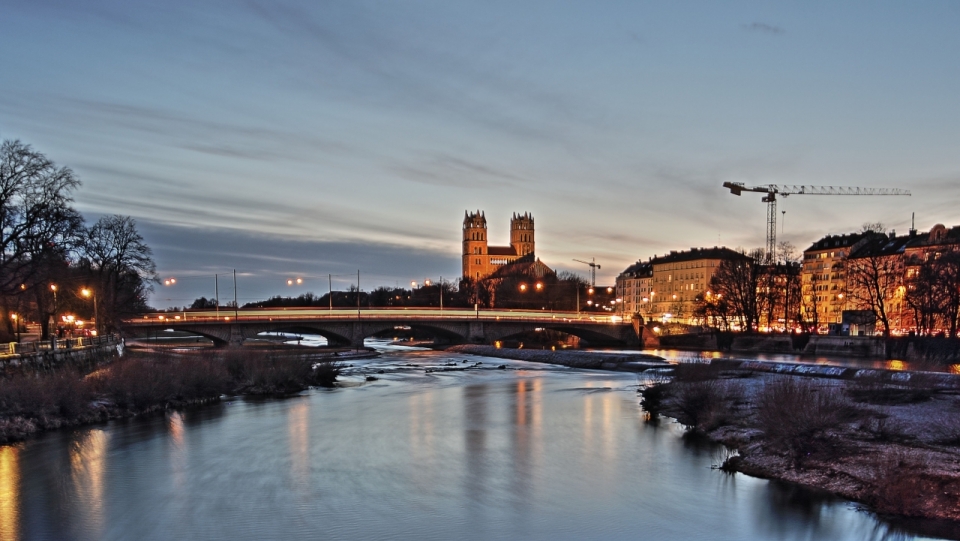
527, 265
501, 250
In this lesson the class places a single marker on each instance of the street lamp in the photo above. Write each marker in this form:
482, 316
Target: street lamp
53, 287
16, 323
87, 292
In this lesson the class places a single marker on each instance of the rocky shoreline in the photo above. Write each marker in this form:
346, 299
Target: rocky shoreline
893, 445
625, 362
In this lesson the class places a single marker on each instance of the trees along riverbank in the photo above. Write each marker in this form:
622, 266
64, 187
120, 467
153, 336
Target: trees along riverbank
892, 446
52, 264
142, 383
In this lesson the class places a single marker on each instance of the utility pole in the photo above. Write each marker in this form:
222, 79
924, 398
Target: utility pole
330, 295
216, 285
236, 305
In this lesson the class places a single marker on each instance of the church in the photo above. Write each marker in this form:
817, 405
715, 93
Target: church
481, 260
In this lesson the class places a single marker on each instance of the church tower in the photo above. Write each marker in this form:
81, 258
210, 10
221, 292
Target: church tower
475, 253
521, 233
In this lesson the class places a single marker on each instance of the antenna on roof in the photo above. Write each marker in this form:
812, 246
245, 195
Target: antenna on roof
913, 228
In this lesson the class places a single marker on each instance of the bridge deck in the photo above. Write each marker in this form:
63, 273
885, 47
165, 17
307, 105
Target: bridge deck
340, 314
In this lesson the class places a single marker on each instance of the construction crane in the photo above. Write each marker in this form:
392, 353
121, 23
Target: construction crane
593, 270
772, 190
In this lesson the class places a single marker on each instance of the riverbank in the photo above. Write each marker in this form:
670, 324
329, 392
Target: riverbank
893, 445
150, 381
593, 360
932, 350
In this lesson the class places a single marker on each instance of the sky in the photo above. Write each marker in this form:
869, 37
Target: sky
304, 138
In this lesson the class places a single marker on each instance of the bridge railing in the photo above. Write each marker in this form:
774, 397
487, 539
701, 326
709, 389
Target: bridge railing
412, 314
61, 344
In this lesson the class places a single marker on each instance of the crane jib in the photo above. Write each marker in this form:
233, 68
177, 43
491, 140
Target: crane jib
736, 188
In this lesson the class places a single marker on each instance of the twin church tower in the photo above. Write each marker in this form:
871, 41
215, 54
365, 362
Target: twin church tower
481, 260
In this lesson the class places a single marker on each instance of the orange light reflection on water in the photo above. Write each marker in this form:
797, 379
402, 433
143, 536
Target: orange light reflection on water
298, 426
88, 456
9, 494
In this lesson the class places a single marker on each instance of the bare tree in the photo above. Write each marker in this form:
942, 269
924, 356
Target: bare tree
925, 296
949, 280
811, 305
872, 281
37, 223
122, 265
35, 198
736, 282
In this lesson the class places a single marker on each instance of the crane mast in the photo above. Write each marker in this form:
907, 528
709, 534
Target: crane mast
771, 191
593, 270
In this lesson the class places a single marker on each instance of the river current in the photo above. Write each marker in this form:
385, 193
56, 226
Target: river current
531, 451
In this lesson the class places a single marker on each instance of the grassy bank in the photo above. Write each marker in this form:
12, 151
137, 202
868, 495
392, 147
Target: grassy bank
135, 385
893, 447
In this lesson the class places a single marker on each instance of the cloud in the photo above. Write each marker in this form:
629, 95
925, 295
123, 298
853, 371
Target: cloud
193, 255
446, 170
764, 28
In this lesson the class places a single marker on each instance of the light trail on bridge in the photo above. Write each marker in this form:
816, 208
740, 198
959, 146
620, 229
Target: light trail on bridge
322, 314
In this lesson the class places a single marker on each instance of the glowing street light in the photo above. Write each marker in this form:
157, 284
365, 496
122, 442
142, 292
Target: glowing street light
16, 323
170, 281
88, 292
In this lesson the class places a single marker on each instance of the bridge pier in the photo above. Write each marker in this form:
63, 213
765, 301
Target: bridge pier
475, 333
236, 336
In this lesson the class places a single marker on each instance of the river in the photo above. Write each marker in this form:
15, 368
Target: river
528, 452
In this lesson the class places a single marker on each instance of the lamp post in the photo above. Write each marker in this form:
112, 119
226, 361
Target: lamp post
16, 323
53, 287
87, 292
538, 286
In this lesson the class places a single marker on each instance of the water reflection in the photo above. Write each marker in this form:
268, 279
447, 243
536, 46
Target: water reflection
298, 424
422, 435
475, 445
9, 494
178, 452
88, 456
482, 454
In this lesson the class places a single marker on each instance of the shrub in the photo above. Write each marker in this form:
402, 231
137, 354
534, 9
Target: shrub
137, 384
325, 373
899, 488
202, 377
58, 394
885, 428
706, 404
946, 429
695, 371
796, 415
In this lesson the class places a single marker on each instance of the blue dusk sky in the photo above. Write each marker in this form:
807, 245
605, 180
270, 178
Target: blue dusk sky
301, 138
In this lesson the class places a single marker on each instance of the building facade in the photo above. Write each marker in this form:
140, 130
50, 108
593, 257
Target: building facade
676, 280
634, 285
822, 278
875, 272
480, 259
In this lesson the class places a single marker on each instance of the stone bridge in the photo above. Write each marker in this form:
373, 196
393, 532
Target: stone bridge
351, 327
